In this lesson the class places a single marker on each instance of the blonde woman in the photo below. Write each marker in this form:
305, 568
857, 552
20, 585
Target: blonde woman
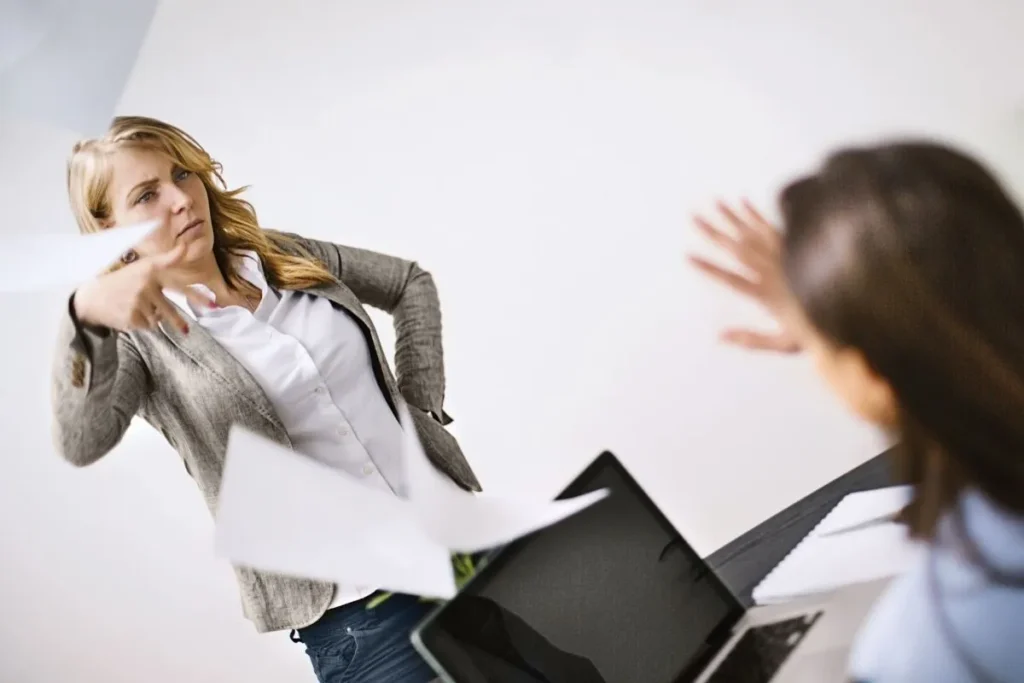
215, 321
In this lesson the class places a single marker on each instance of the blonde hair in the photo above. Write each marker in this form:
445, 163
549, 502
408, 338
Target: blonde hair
235, 227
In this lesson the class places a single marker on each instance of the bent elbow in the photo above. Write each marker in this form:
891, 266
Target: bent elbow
75, 446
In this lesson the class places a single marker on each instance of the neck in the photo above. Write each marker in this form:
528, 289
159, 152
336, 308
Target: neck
204, 272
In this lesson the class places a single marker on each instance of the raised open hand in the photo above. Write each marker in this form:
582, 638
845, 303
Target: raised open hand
132, 297
748, 237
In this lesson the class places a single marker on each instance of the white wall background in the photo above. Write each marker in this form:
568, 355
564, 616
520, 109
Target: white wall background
541, 158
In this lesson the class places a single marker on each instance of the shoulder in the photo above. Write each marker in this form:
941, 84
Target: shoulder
348, 262
324, 254
294, 244
907, 636
328, 253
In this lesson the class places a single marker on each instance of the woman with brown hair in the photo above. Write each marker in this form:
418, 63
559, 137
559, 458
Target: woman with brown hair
900, 271
214, 321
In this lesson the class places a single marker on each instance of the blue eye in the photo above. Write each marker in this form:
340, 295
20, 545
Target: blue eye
144, 197
182, 174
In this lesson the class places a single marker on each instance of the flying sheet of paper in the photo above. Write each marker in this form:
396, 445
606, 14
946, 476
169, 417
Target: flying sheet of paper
284, 512
43, 262
468, 522
73, 65
23, 25
321, 523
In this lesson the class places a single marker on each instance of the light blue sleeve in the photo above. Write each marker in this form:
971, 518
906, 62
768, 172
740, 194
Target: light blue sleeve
905, 639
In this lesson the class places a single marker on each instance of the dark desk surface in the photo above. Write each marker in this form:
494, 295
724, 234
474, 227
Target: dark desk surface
743, 562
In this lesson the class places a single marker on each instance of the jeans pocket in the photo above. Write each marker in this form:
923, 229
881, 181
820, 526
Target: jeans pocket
331, 664
386, 655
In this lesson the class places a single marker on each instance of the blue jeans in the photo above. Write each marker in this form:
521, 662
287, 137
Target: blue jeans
353, 644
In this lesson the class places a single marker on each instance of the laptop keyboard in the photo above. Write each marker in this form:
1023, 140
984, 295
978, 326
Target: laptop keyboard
761, 651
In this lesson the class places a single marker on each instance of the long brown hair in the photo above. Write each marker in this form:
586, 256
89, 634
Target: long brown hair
234, 222
913, 254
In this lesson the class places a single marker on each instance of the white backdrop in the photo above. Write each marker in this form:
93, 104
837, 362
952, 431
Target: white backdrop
541, 159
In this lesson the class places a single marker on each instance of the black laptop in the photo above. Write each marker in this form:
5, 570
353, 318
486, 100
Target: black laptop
596, 598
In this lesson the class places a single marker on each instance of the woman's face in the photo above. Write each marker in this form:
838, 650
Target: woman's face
148, 186
849, 376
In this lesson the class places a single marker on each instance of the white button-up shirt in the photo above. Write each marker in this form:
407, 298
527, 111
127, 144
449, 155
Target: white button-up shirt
314, 364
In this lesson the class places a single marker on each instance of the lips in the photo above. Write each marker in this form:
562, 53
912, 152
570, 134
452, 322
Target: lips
194, 224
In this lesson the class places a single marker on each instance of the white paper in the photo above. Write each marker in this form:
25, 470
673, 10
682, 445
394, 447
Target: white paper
282, 512
73, 64
822, 564
42, 262
469, 522
825, 560
865, 506
23, 25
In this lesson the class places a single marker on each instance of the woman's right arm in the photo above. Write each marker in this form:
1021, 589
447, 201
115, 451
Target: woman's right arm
99, 379
99, 384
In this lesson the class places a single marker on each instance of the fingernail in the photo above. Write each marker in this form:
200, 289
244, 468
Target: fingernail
184, 329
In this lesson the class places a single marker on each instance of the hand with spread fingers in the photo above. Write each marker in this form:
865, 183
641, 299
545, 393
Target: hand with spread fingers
131, 298
755, 243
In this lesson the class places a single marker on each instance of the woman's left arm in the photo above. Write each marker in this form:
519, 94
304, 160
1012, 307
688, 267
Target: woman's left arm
407, 292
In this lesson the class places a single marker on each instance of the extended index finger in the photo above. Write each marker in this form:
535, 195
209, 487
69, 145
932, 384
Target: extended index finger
715, 235
726, 277
760, 341
742, 225
168, 313
199, 300
758, 222
196, 299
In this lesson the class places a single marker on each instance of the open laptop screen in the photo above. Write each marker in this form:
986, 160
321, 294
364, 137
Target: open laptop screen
611, 595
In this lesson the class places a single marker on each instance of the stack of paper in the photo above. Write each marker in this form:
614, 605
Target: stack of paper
320, 523
857, 542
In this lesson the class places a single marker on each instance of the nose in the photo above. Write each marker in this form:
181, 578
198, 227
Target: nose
180, 200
